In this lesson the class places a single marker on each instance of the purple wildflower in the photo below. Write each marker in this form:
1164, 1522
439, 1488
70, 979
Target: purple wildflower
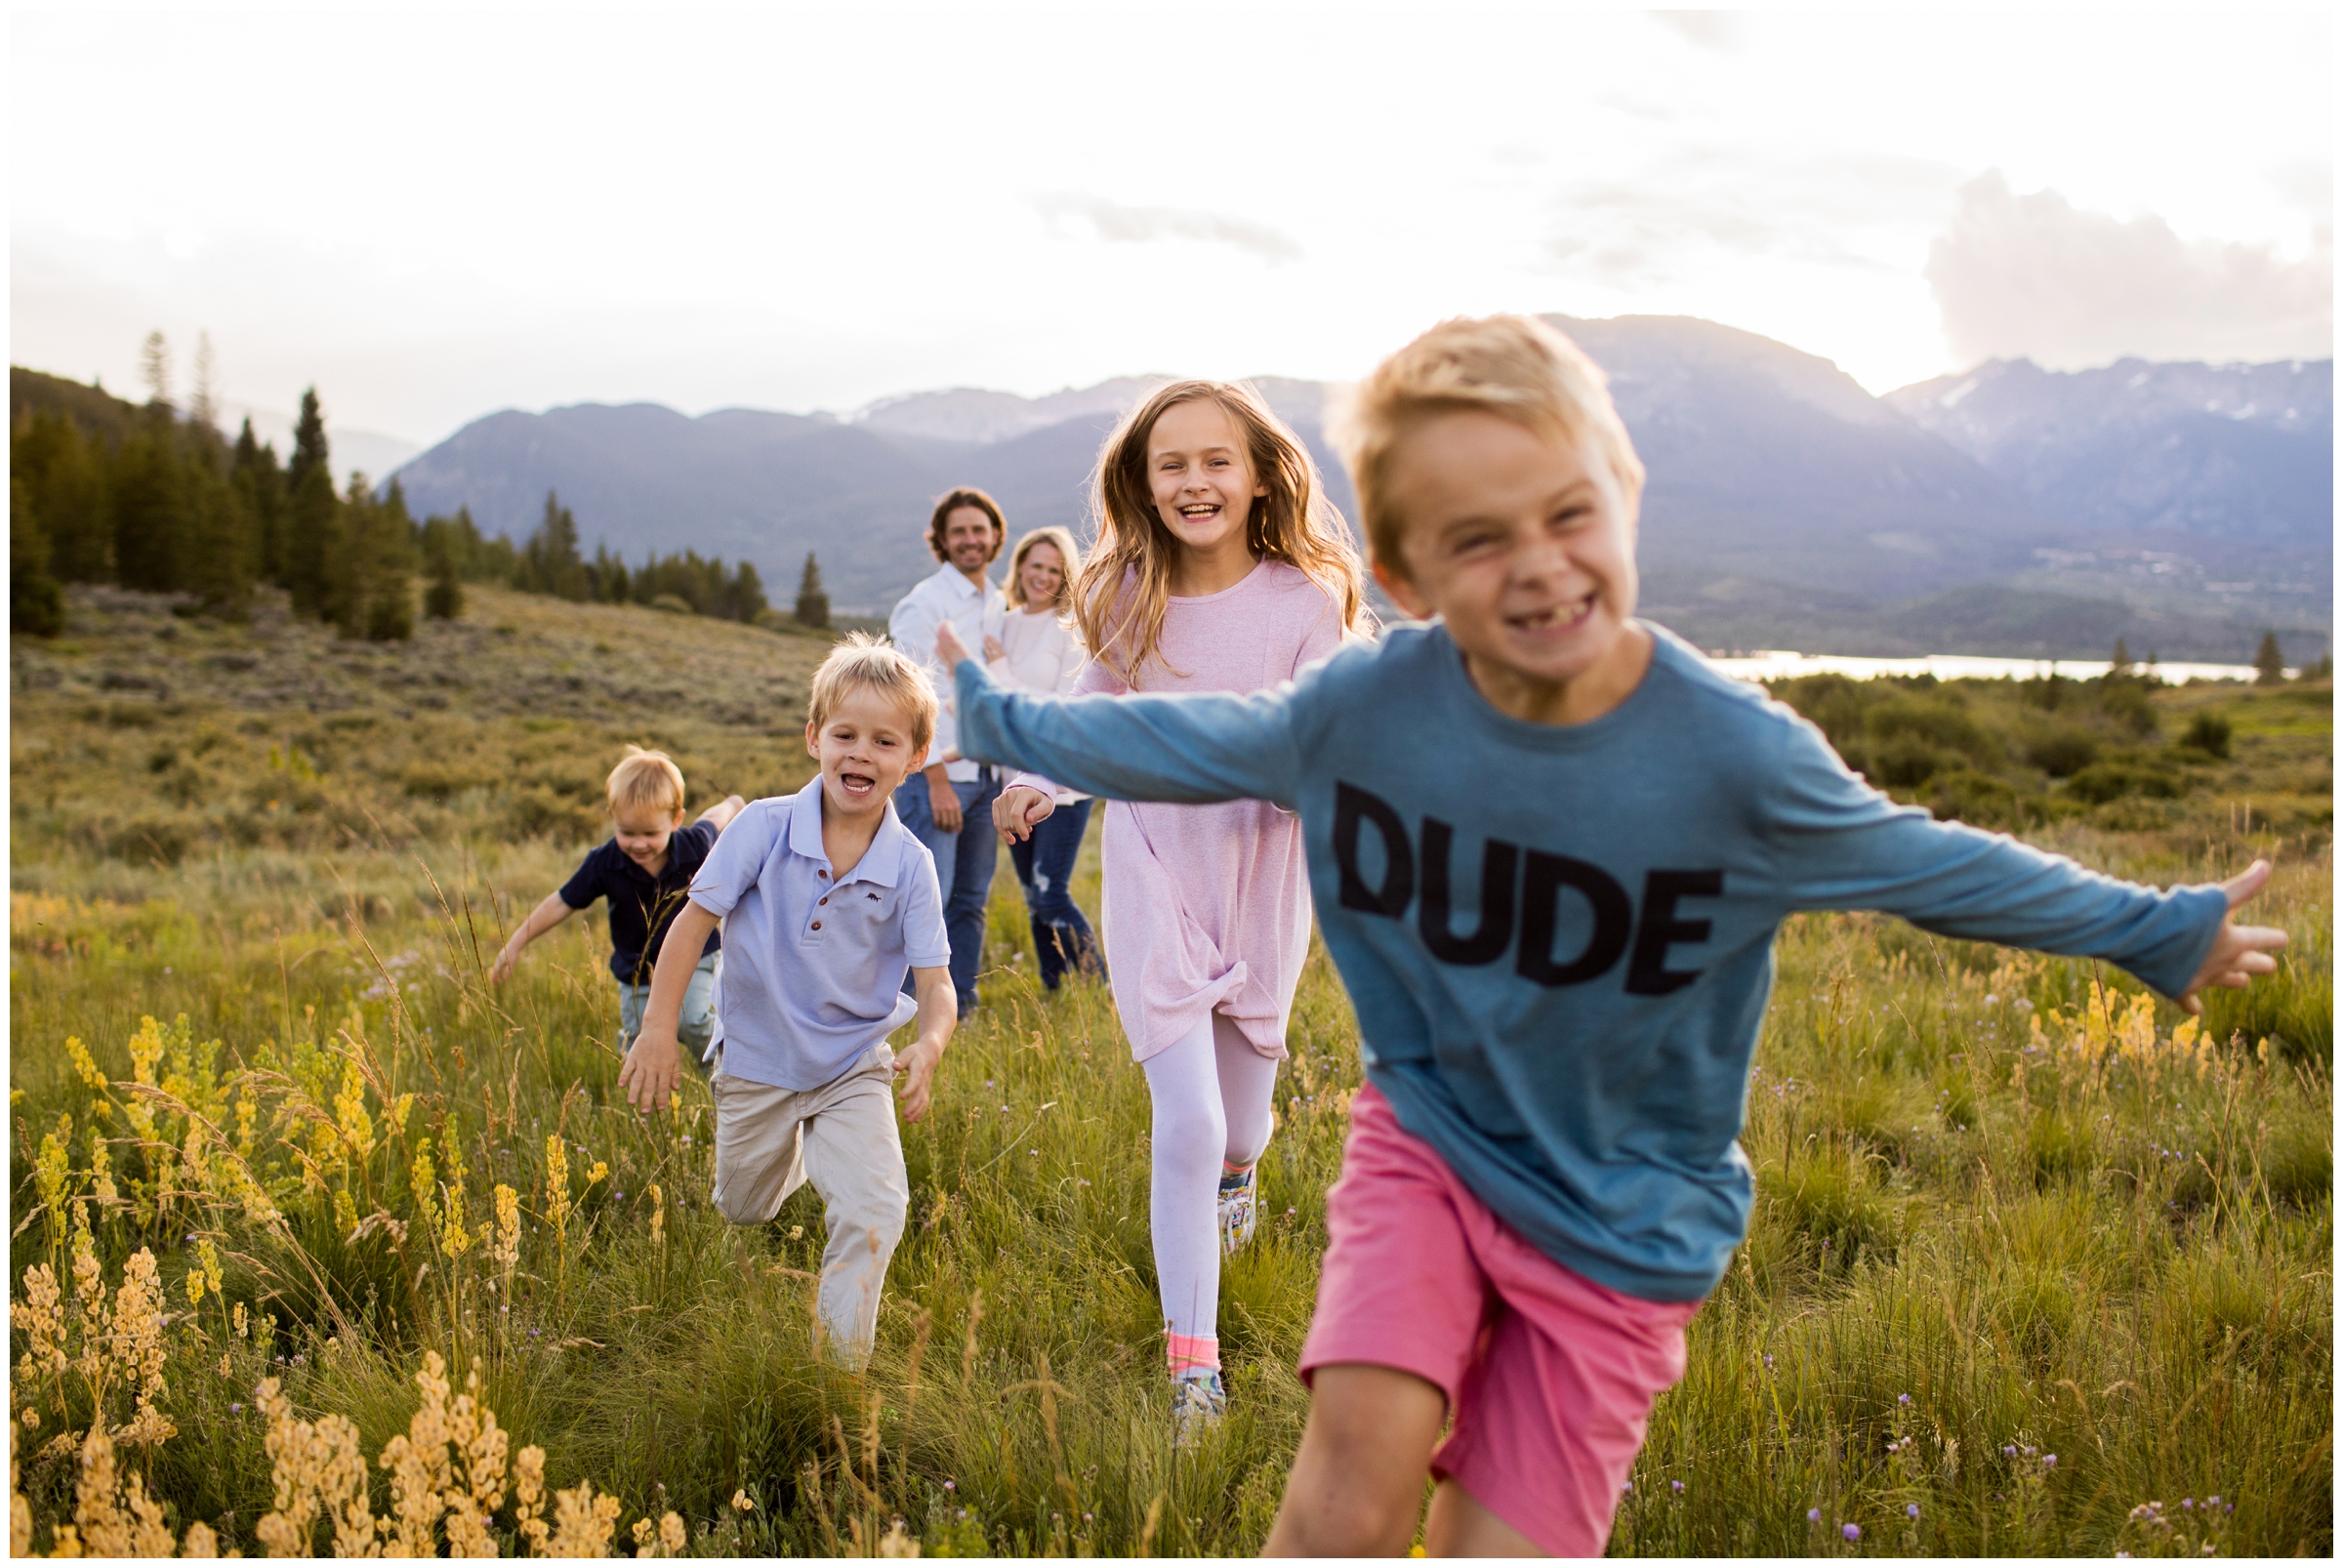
1903, 1399
1853, 1531
235, 1410
1814, 1516
1676, 1486
950, 1486
2049, 1460
1912, 1510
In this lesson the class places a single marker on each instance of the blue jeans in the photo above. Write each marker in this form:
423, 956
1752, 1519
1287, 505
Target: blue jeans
1044, 862
696, 1025
964, 868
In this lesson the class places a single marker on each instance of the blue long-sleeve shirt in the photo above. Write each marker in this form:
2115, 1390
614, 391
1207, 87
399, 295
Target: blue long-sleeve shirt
1559, 938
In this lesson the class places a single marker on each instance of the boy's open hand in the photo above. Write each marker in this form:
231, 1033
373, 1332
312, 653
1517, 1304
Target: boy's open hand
949, 648
651, 1070
2239, 952
917, 1068
507, 957
1018, 809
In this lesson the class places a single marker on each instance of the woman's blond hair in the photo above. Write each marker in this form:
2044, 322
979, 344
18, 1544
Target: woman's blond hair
1513, 366
1069, 557
1293, 522
862, 660
645, 778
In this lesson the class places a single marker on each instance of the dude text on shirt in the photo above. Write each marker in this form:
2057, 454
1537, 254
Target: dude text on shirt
1521, 892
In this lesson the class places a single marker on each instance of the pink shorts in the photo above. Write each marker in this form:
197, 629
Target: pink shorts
1549, 1377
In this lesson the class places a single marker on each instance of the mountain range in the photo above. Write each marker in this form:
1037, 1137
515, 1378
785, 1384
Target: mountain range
2010, 510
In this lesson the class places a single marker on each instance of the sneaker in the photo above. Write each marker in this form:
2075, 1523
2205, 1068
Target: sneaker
1196, 1406
1238, 1209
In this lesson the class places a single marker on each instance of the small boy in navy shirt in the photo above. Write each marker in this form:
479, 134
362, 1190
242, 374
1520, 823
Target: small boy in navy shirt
645, 870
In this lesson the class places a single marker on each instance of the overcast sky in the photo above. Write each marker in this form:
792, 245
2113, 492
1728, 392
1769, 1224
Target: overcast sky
433, 215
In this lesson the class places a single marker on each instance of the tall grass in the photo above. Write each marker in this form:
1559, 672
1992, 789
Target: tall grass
2120, 1262
2005, 1212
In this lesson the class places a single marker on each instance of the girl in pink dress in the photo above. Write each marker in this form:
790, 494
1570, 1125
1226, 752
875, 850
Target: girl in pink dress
1220, 567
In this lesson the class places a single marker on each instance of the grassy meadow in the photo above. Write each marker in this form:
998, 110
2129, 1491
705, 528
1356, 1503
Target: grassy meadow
342, 1246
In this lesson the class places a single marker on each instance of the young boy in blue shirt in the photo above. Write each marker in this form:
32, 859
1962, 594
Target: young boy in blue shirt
826, 899
643, 868
1550, 848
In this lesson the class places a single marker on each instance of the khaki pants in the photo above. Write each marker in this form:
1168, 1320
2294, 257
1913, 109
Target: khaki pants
842, 1138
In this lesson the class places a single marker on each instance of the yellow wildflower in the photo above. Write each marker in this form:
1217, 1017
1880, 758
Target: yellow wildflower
84, 1063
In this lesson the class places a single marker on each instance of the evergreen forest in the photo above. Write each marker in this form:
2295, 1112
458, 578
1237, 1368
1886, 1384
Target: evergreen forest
154, 497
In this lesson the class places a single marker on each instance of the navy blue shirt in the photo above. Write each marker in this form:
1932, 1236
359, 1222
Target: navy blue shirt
641, 906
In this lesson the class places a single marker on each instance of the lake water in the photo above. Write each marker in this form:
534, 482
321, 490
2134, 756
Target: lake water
1773, 666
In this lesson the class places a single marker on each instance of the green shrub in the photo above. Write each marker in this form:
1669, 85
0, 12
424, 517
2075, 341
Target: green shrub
1962, 794
2064, 752
1940, 722
2102, 782
1902, 762
2127, 702
2208, 733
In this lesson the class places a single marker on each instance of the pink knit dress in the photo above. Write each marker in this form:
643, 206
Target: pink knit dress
1206, 908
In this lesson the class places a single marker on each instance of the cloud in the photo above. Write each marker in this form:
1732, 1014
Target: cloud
1719, 30
2033, 277
1118, 224
1675, 216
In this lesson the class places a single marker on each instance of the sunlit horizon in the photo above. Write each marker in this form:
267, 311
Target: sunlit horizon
432, 217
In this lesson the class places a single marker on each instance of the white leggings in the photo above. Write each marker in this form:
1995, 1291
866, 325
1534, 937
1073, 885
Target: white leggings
1212, 1092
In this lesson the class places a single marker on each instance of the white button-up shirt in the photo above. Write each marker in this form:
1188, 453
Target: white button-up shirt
975, 614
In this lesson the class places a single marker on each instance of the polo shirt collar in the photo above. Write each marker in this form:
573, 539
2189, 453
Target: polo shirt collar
880, 863
959, 585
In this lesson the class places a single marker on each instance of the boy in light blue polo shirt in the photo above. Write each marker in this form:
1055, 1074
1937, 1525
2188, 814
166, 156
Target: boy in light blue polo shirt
826, 900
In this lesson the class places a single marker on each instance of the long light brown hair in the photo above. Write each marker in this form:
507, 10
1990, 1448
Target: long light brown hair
1293, 522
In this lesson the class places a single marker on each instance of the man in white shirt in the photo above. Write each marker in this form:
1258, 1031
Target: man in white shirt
949, 805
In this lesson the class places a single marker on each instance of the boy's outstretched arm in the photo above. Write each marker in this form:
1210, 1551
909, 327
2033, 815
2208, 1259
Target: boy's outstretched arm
1191, 747
652, 1065
939, 1010
722, 812
1839, 843
544, 918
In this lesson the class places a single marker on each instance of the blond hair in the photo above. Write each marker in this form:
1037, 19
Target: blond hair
863, 660
645, 778
1293, 522
1069, 557
1513, 366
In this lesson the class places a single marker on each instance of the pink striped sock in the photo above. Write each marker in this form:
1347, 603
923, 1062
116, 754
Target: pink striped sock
1192, 1352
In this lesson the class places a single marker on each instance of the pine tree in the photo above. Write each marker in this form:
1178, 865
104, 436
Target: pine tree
2121, 664
550, 562
63, 471
813, 605
218, 565
154, 369
149, 495
202, 402
443, 600
311, 544
260, 486
36, 605
389, 547
2269, 664
748, 594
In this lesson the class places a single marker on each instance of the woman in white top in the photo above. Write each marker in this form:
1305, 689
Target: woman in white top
1040, 649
